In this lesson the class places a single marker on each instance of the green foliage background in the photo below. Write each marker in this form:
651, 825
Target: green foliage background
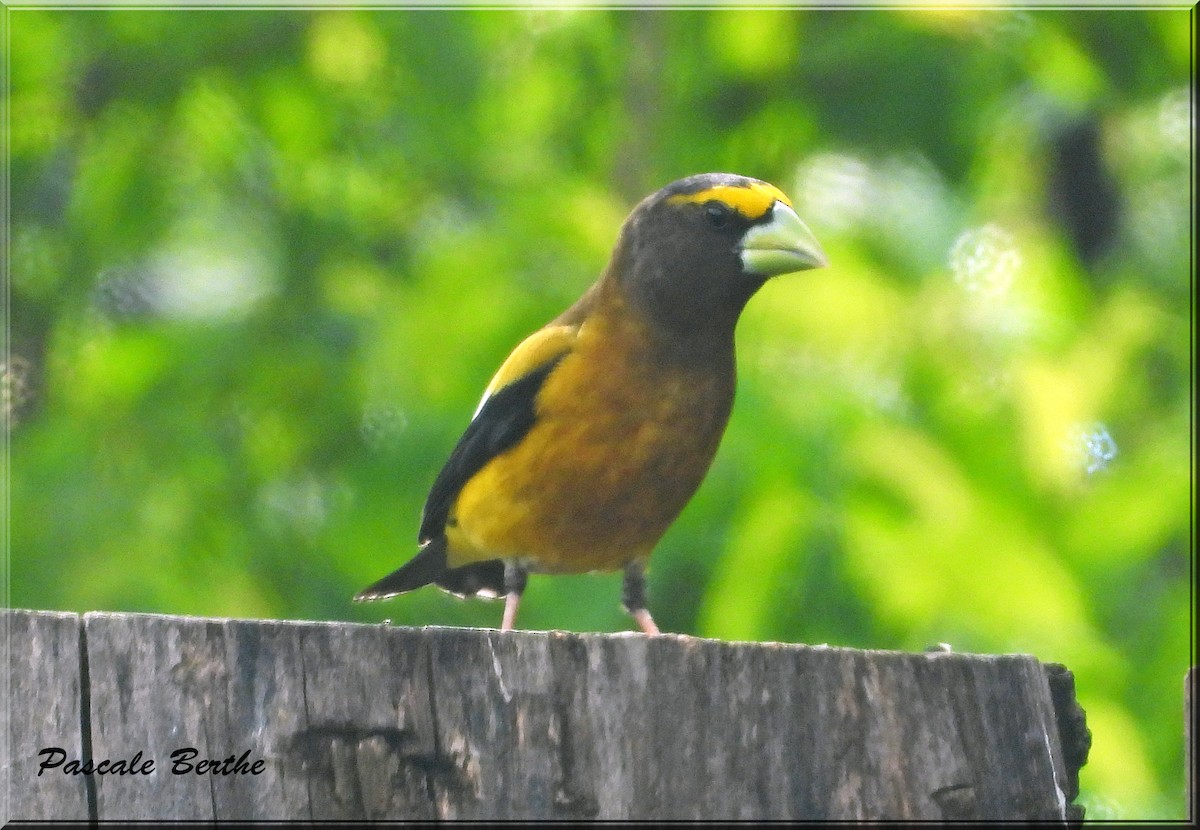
263, 263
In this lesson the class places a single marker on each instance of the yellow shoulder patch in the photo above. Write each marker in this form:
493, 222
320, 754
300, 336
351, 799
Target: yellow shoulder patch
535, 350
752, 200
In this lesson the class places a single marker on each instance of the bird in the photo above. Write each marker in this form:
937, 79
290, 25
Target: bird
598, 428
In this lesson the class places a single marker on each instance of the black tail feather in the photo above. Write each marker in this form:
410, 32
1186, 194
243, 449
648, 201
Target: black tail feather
429, 565
481, 579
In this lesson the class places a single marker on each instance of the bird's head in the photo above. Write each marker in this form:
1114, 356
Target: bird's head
693, 253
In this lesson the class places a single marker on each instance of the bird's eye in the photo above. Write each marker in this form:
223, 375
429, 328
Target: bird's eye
718, 214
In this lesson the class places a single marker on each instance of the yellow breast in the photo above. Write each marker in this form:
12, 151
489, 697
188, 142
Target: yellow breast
621, 442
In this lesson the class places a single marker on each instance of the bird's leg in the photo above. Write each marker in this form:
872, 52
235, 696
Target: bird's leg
633, 596
515, 578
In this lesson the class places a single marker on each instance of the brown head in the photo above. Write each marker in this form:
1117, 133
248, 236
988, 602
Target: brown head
690, 256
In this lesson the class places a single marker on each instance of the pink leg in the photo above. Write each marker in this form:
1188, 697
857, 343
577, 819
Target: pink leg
633, 596
643, 619
511, 601
514, 585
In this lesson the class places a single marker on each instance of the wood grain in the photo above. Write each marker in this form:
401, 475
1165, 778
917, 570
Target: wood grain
43, 710
358, 722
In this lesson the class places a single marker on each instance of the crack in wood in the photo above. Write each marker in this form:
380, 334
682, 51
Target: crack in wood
85, 723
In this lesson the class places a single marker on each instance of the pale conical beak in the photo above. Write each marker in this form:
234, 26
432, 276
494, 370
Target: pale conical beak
781, 245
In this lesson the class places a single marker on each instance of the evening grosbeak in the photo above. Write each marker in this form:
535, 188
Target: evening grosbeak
599, 427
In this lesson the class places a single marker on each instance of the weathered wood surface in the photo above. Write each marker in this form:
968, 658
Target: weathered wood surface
376, 722
42, 708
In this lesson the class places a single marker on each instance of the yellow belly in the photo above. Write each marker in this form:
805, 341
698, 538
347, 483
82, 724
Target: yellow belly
619, 447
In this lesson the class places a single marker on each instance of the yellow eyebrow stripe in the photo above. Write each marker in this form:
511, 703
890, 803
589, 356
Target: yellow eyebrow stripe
752, 200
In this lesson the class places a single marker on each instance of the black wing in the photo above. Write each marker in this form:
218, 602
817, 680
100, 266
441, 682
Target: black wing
505, 418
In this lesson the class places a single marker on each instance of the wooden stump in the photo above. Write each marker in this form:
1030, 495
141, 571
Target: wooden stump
376, 722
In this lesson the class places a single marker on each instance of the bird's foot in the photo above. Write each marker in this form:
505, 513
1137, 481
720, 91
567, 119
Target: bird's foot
645, 621
511, 601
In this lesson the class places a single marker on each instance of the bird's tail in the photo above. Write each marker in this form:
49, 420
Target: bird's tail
427, 566
481, 579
